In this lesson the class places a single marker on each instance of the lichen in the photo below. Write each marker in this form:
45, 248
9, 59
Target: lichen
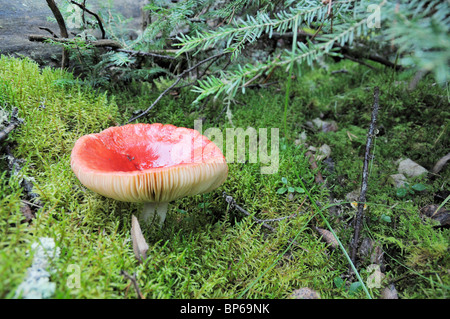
37, 283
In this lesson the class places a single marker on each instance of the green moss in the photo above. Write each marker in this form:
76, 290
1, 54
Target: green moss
206, 249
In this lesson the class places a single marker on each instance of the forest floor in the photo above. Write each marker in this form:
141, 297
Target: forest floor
208, 248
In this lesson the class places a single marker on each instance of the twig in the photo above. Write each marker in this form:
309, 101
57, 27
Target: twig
63, 30
230, 200
365, 174
179, 77
133, 281
99, 20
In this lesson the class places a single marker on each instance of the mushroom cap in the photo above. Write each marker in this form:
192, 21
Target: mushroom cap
148, 163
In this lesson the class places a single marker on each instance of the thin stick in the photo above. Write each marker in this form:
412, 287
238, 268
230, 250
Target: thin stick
179, 77
365, 174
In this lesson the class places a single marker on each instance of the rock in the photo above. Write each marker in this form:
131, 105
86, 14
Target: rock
398, 180
410, 168
20, 18
304, 293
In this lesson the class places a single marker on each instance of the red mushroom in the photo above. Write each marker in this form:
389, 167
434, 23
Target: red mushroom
149, 163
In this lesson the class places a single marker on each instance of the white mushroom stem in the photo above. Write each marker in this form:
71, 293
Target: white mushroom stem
154, 212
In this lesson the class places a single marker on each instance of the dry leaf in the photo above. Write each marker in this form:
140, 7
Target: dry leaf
328, 237
389, 292
140, 246
440, 164
304, 293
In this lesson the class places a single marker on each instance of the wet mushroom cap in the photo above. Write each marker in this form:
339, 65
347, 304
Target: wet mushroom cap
148, 163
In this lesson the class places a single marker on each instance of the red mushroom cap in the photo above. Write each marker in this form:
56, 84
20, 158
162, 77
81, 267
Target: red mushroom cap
148, 163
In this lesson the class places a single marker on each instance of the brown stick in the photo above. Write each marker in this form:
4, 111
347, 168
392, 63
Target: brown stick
365, 175
133, 281
114, 45
63, 30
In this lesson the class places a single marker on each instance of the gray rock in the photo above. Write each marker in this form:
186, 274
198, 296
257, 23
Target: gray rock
410, 168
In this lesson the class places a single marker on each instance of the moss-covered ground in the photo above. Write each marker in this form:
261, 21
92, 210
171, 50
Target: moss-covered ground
207, 249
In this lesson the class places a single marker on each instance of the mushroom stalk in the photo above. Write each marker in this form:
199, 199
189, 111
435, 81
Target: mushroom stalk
154, 212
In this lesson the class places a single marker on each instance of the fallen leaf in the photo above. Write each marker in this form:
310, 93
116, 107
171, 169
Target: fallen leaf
389, 292
140, 246
304, 293
355, 205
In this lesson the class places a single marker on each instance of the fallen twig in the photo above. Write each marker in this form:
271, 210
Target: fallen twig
230, 200
102, 43
134, 282
179, 77
365, 174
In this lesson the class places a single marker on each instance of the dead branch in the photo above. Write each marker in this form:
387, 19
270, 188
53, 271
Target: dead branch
440, 164
14, 122
365, 175
14, 166
97, 17
63, 30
